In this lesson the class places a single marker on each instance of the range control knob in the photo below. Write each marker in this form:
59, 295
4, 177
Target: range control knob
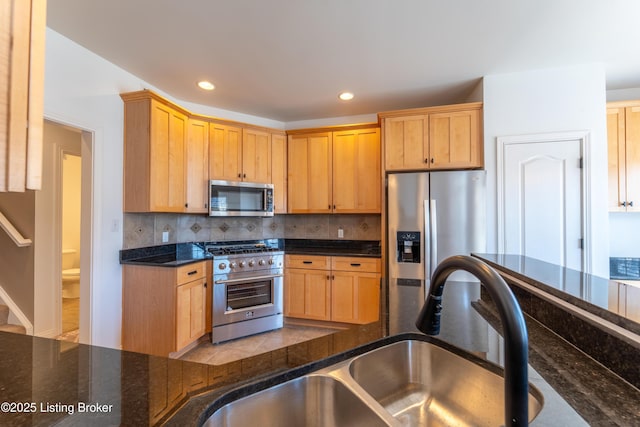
252, 263
271, 261
232, 265
242, 264
222, 266
261, 262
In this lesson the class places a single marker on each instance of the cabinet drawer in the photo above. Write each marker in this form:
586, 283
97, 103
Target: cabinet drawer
370, 265
190, 272
312, 262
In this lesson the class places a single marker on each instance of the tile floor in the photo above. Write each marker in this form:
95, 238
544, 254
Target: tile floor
241, 348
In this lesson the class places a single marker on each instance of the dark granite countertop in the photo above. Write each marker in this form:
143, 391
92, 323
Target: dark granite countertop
176, 254
353, 248
62, 380
589, 292
171, 255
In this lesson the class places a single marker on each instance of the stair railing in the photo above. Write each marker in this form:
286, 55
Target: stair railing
15, 235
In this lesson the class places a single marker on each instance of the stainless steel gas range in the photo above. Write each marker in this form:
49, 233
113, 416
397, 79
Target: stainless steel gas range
247, 289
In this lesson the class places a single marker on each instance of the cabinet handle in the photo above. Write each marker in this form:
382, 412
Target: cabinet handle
329, 207
244, 175
426, 160
631, 203
307, 262
239, 175
205, 284
327, 277
432, 160
333, 277
191, 273
355, 264
186, 205
334, 207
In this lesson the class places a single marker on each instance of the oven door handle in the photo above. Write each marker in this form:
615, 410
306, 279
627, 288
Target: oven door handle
245, 279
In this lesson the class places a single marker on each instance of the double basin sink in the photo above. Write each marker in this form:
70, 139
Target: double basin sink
417, 381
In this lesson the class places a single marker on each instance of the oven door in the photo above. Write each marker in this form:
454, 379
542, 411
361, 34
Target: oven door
239, 299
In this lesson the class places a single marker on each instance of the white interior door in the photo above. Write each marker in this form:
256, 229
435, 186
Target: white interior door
542, 199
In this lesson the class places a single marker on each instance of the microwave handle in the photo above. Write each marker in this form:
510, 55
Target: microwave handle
264, 199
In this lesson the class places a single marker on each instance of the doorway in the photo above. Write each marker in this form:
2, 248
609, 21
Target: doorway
63, 232
542, 197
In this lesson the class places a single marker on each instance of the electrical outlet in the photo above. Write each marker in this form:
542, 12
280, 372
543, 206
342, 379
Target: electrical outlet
165, 236
340, 233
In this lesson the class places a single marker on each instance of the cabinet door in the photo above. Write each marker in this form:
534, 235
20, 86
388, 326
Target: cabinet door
225, 152
309, 173
356, 171
279, 172
454, 140
406, 142
307, 294
190, 312
355, 297
294, 283
317, 298
344, 297
616, 156
197, 170
256, 156
166, 386
166, 168
632, 157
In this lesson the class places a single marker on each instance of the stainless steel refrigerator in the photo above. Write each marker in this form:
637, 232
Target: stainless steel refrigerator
430, 216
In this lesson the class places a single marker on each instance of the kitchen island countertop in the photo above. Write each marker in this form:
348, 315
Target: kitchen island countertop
63, 380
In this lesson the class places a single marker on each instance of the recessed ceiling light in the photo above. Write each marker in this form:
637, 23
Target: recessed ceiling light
206, 85
346, 96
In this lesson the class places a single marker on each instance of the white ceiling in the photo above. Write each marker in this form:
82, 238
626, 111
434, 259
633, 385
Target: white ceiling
287, 60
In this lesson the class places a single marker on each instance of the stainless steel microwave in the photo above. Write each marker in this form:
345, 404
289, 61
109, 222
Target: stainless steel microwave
238, 198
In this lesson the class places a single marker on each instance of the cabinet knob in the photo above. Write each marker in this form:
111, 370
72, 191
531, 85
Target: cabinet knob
426, 160
631, 203
623, 204
432, 160
239, 175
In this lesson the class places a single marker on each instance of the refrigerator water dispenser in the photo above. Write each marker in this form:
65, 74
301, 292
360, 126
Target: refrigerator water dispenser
408, 247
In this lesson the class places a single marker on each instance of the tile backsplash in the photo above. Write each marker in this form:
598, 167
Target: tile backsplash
146, 229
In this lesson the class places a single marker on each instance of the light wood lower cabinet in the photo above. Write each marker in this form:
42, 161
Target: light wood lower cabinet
338, 289
164, 309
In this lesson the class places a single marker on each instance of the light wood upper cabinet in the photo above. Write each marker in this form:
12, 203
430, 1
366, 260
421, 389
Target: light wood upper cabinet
22, 52
256, 156
197, 166
356, 171
454, 140
309, 162
447, 137
154, 150
623, 135
406, 142
279, 172
225, 152
334, 172
238, 154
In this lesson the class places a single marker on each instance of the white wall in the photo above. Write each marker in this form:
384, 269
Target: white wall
551, 100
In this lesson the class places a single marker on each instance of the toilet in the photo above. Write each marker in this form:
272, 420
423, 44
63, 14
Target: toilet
70, 275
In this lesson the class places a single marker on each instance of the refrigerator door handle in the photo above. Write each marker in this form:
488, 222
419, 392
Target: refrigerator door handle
427, 239
433, 234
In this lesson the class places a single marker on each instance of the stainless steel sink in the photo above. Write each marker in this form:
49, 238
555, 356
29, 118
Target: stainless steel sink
310, 400
421, 384
409, 382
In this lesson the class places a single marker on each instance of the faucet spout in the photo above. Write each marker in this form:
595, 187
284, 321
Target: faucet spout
516, 383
